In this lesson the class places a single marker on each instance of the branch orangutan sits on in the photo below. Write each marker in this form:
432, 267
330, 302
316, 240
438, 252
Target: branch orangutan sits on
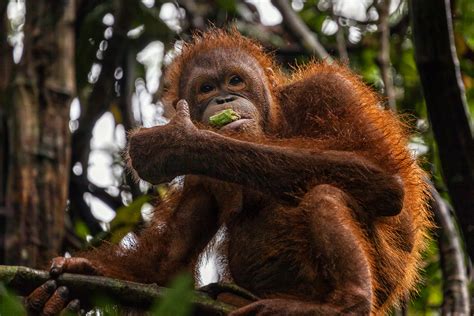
323, 204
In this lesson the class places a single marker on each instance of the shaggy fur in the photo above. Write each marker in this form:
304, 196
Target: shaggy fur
325, 209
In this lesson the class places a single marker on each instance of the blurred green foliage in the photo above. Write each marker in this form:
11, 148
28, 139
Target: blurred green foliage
10, 304
177, 299
429, 297
127, 219
464, 37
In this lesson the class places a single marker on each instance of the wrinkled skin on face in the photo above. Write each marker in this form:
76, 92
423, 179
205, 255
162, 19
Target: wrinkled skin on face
216, 81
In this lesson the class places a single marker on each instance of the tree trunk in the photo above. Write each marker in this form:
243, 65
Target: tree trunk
443, 89
37, 116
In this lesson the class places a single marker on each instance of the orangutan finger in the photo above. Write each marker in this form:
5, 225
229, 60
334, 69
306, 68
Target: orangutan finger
57, 265
57, 302
73, 308
73, 265
36, 300
182, 109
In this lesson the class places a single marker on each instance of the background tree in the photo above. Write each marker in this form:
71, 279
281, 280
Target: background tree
36, 94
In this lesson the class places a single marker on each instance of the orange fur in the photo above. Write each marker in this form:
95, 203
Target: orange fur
376, 134
324, 206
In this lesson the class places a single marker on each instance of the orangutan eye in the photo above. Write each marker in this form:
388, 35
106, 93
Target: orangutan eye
205, 88
235, 80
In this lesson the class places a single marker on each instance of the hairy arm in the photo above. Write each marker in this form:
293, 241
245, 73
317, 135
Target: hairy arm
170, 245
287, 173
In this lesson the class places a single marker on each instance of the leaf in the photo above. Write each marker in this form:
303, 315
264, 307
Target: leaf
81, 229
9, 303
177, 298
127, 218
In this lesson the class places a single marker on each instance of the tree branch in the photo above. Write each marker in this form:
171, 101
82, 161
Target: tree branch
79, 208
341, 45
455, 282
384, 53
84, 185
307, 38
23, 280
125, 107
98, 101
193, 14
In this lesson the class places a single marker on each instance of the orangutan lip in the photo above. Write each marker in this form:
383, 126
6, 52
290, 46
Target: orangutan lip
236, 124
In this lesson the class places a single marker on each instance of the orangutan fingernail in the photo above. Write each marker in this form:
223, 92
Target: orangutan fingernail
54, 271
63, 292
50, 286
74, 305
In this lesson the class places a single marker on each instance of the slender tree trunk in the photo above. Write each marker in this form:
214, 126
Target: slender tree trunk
37, 112
384, 54
6, 64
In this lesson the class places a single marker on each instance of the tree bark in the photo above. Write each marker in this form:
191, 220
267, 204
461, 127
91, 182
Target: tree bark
37, 114
443, 89
6, 67
383, 58
455, 280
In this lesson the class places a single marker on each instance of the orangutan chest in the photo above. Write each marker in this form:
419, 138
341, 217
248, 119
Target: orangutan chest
265, 256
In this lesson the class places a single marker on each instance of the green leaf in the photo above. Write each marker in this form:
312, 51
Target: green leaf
9, 303
127, 218
177, 298
227, 5
81, 229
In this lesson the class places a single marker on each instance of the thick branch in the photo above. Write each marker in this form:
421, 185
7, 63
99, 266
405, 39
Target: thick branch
23, 280
302, 32
443, 89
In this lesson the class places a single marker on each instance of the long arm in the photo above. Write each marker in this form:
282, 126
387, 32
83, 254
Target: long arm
179, 232
286, 173
166, 247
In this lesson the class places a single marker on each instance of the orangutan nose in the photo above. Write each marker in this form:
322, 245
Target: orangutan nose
226, 99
